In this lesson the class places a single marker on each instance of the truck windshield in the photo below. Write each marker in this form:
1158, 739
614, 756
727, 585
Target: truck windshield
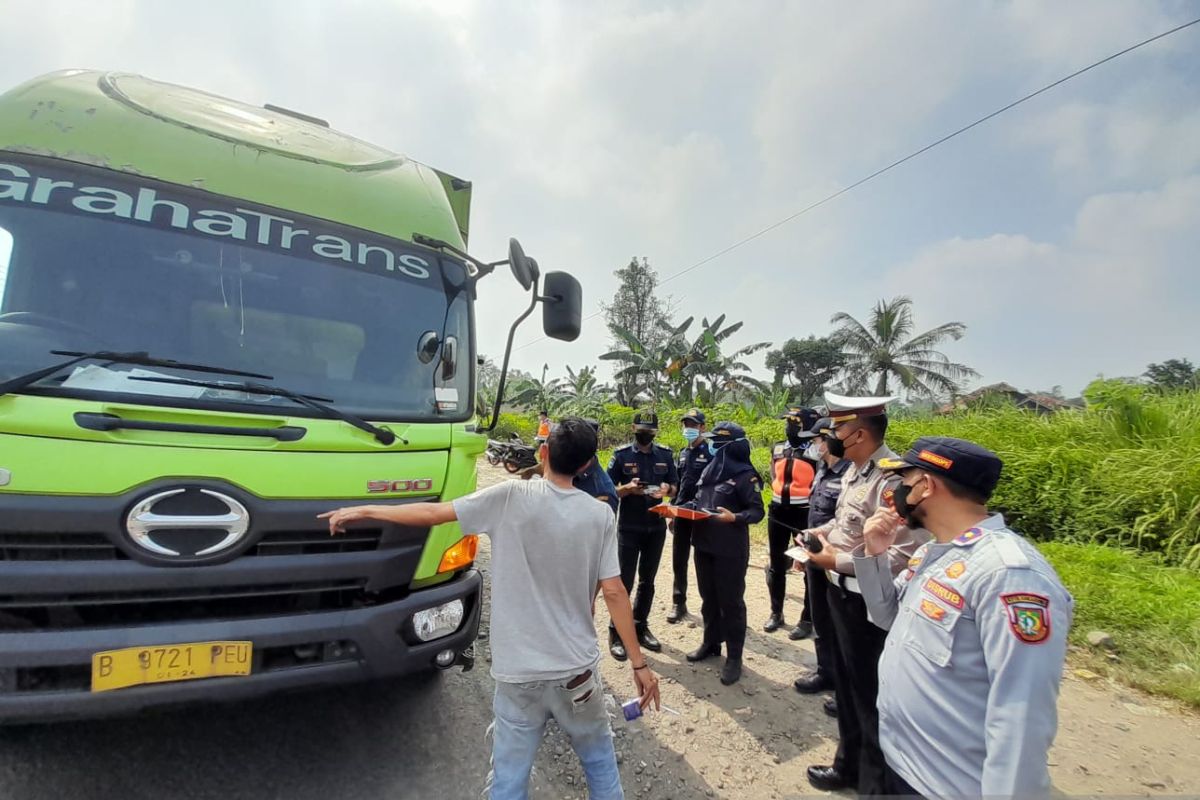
95, 260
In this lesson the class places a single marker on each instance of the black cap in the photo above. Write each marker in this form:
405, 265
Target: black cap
821, 427
803, 415
727, 431
646, 419
963, 462
694, 415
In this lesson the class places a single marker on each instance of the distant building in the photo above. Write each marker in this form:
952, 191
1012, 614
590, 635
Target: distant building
1002, 392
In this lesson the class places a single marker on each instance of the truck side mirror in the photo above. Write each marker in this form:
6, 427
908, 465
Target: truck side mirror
562, 306
524, 268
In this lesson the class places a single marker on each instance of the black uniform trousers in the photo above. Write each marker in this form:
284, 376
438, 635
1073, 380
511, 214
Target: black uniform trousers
721, 580
638, 554
681, 551
857, 648
816, 598
783, 523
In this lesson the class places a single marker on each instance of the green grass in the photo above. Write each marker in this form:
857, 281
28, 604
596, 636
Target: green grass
1151, 611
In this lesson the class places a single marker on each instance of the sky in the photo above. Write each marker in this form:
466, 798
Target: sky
1062, 233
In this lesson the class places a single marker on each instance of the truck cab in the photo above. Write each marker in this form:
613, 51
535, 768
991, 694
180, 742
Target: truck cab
216, 322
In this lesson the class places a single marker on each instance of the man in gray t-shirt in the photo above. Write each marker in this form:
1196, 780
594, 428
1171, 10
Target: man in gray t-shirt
553, 548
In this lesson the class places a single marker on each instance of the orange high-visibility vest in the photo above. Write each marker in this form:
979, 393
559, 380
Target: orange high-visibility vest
791, 477
544, 430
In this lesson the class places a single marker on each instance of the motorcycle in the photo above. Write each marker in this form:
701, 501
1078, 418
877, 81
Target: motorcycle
520, 456
499, 452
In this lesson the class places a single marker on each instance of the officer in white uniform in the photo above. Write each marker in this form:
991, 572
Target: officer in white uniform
978, 622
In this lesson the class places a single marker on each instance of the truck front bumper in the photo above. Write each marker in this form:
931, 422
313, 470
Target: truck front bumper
46, 675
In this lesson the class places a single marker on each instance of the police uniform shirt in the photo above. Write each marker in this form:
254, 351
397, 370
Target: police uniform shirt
692, 461
741, 494
863, 492
969, 677
652, 468
826, 489
791, 475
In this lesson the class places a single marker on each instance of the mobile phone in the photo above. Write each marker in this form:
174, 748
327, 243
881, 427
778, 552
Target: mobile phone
812, 543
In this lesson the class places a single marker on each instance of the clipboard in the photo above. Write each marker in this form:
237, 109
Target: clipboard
679, 512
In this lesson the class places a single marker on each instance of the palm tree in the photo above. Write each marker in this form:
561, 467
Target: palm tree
585, 394
644, 366
693, 363
883, 352
540, 395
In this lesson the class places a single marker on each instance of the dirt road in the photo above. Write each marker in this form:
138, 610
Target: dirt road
425, 738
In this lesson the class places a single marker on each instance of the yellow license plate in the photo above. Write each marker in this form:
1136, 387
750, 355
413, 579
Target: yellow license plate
134, 666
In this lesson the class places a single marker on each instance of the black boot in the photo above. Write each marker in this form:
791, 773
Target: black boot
731, 673
830, 707
830, 779
812, 682
646, 638
773, 623
803, 630
704, 651
615, 647
678, 613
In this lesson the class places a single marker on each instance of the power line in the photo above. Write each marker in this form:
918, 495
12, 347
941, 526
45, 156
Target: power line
898, 162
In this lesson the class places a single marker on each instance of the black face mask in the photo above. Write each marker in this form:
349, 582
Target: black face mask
837, 448
900, 500
644, 437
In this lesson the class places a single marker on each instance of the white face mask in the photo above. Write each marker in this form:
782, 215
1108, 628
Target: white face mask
816, 452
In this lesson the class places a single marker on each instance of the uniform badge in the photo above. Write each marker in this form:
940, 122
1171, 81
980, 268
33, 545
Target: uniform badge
956, 569
1028, 616
932, 610
970, 536
943, 593
914, 562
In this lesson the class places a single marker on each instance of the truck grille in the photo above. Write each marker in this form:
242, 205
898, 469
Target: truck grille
98, 547
62, 611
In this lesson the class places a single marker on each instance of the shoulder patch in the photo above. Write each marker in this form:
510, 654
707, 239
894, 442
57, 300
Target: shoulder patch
970, 537
1010, 552
956, 570
1028, 616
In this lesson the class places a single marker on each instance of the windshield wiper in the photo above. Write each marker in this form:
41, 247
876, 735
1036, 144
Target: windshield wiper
141, 359
382, 435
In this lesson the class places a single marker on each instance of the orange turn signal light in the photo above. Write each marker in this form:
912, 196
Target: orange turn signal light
460, 554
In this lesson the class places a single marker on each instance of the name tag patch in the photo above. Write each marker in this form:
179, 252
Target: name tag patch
944, 593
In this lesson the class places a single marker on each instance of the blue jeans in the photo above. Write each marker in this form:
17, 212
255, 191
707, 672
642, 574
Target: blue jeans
522, 710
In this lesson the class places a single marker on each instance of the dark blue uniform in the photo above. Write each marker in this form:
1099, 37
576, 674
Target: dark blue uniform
596, 482
722, 556
692, 461
640, 534
826, 489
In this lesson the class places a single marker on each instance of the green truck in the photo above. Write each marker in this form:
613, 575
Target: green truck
217, 321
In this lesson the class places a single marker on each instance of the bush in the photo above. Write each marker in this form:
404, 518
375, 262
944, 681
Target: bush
1125, 471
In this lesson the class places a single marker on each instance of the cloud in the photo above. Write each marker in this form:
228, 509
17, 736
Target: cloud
1117, 293
596, 132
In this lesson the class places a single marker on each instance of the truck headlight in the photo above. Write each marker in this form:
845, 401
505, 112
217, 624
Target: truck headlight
434, 623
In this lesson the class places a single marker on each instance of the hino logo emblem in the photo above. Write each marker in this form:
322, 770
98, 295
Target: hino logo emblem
143, 523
